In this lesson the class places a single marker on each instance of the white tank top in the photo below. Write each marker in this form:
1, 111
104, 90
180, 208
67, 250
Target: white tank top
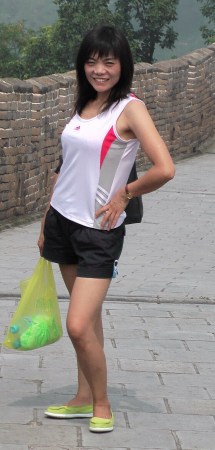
96, 163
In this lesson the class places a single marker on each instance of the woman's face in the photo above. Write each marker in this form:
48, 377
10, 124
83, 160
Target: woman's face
102, 72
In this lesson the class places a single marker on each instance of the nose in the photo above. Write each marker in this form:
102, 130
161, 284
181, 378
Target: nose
99, 68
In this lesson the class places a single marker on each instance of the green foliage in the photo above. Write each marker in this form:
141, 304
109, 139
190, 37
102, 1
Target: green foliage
76, 17
208, 11
149, 23
13, 39
40, 53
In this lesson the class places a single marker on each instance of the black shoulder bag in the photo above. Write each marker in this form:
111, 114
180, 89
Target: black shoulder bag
134, 209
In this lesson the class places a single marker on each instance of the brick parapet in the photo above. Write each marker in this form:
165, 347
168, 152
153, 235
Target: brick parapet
179, 94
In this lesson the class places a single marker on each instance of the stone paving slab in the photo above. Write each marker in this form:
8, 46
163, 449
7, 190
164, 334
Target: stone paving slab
14, 447
143, 437
35, 434
195, 406
162, 391
183, 422
196, 440
184, 356
140, 365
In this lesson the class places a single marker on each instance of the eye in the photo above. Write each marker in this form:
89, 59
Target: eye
109, 63
90, 62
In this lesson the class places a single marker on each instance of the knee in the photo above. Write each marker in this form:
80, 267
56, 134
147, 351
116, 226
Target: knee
76, 331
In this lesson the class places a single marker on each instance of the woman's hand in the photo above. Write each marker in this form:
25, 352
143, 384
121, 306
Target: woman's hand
113, 209
40, 243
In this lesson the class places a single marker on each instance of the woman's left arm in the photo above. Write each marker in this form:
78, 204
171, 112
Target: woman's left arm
162, 170
138, 122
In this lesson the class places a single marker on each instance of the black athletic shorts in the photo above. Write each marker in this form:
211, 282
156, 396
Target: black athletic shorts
95, 252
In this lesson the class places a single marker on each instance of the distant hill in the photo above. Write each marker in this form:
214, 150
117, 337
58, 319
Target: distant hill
37, 13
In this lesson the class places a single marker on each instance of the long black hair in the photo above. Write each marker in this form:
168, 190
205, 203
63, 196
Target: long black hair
103, 40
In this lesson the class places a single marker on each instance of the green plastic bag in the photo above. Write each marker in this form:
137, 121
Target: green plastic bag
36, 321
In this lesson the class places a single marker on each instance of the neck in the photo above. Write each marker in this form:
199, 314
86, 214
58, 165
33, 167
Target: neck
99, 102
101, 99
93, 107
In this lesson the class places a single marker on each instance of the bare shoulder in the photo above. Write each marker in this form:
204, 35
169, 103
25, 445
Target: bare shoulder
136, 110
138, 117
136, 105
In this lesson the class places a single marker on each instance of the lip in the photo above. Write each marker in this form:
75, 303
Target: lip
100, 80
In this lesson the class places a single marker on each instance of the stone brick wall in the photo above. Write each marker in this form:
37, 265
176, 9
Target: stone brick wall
180, 95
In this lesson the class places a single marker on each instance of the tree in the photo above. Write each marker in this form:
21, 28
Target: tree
145, 23
76, 17
123, 19
13, 38
40, 53
149, 23
208, 11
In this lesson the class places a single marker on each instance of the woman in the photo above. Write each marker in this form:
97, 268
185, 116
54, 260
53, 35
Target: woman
84, 228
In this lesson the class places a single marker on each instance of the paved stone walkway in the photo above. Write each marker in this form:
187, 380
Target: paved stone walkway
159, 321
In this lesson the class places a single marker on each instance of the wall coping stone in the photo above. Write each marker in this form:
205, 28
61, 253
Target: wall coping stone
171, 65
212, 46
14, 85
65, 82
198, 56
42, 85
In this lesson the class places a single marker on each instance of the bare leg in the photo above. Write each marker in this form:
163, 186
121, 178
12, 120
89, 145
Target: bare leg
83, 395
84, 329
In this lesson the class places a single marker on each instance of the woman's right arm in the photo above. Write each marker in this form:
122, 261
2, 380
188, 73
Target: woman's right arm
40, 241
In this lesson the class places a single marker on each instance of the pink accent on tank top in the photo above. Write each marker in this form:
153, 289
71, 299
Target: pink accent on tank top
108, 140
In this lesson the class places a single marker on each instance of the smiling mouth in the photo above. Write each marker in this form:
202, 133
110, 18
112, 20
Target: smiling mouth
100, 80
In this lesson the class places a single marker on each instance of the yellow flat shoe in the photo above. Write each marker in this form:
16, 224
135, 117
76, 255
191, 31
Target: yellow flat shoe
100, 425
69, 412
